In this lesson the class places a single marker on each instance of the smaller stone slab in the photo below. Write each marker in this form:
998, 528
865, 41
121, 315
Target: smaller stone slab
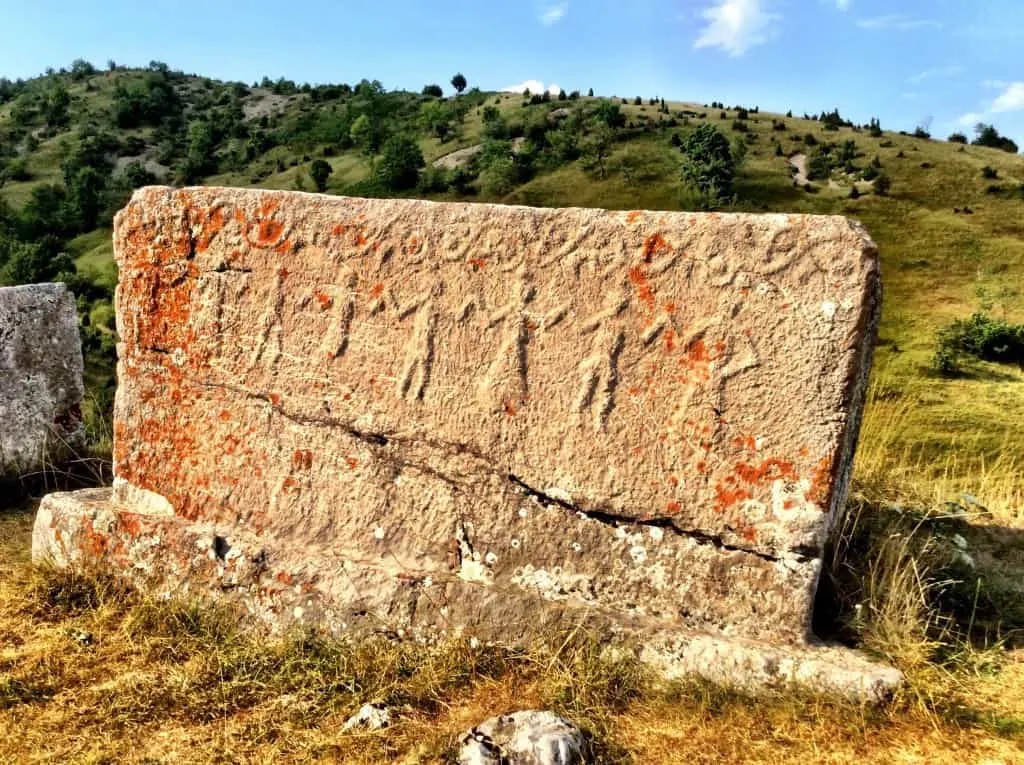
40, 377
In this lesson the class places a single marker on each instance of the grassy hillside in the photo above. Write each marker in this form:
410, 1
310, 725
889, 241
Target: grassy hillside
926, 571
939, 265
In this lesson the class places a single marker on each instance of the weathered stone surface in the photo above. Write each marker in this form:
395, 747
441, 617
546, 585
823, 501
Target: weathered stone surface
40, 376
450, 418
524, 738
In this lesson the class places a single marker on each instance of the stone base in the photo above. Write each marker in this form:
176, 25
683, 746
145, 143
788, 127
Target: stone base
349, 590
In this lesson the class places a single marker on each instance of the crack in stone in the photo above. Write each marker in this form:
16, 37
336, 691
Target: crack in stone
380, 440
617, 521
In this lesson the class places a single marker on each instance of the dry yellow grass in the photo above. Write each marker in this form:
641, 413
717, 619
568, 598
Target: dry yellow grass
91, 673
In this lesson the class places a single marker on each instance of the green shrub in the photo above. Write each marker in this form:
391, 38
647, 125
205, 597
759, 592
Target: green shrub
710, 161
399, 164
982, 337
989, 173
319, 172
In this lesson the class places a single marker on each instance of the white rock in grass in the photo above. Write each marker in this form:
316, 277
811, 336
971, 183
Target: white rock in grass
524, 738
369, 716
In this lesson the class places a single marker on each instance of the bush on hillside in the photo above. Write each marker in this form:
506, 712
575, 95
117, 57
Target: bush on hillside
957, 138
883, 184
982, 337
989, 173
319, 172
987, 135
399, 165
710, 163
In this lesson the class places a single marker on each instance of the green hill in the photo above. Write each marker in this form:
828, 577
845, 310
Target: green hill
950, 228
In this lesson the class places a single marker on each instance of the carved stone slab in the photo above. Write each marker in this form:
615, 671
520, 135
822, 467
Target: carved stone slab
40, 377
475, 417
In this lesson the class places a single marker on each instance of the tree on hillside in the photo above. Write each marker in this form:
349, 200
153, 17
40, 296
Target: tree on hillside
957, 137
590, 92
710, 164
81, 69
400, 162
55, 106
319, 172
987, 135
433, 90
436, 117
459, 82
610, 114
362, 135
598, 144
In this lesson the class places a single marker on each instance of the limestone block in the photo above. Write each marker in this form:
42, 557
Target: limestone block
40, 377
449, 417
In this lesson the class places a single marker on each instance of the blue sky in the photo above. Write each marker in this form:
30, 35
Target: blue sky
947, 63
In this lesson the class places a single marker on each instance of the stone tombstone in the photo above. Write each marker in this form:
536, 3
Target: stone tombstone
40, 377
462, 418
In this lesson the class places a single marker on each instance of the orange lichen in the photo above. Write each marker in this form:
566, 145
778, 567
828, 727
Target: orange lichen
745, 441
633, 216
673, 507
769, 470
477, 263
302, 459
698, 351
325, 300
211, 222
638, 278
655, 244
510, 408
377, 290
821, 480
352, 462
726, 497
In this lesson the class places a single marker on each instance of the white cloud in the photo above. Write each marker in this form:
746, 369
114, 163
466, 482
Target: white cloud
936, 72
534, 86
735, 26
1011, 99
899, 22
843, 5
552, 14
